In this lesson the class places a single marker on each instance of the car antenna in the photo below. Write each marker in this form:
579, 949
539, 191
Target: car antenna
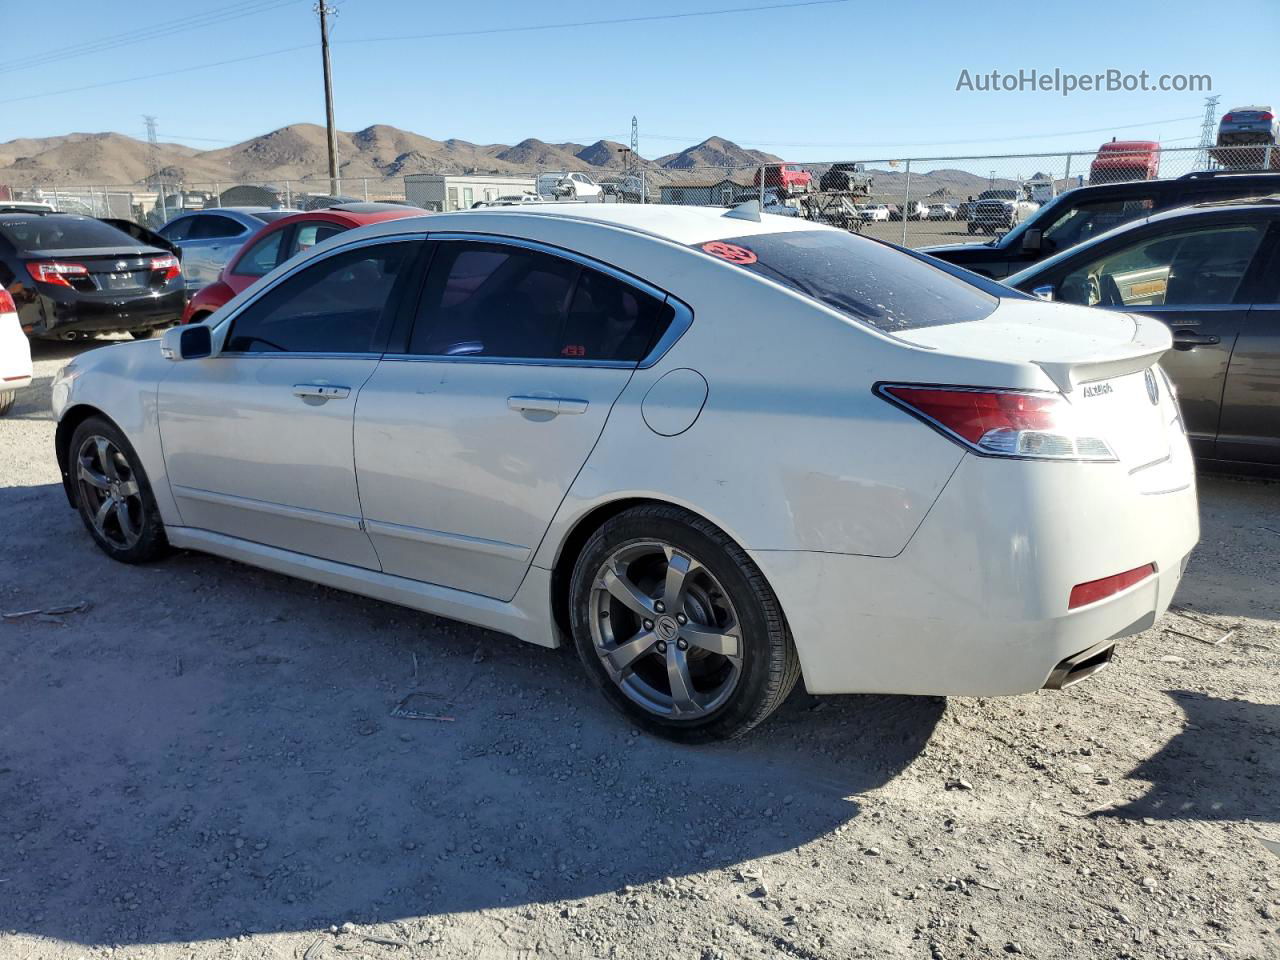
750, 210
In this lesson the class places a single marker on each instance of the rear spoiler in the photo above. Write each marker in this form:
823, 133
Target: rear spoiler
1151, 339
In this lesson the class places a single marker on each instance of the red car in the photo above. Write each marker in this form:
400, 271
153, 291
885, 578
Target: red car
281, 239
786, 178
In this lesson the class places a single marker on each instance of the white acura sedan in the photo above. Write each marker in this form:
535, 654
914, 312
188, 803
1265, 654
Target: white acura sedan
716, 451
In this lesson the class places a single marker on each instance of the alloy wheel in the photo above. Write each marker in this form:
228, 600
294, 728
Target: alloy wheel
110, 492
665, 630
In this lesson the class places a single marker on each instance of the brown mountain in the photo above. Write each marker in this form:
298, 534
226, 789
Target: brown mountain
715, 152
299, 151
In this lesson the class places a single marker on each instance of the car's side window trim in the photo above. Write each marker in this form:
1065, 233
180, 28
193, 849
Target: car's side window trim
225, 326
680, 322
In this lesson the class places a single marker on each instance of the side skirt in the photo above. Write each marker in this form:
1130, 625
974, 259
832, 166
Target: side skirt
527, 617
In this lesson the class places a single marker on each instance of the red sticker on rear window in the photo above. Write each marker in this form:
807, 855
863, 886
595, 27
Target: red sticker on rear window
729, 251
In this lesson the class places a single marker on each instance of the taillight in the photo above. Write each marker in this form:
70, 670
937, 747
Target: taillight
56, 273
168, 266
1083, 594
1227, 118
6, 302
1001, 423
1266, 116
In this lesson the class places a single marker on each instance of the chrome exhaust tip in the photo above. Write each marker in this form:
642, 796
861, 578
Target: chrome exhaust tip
1081, 666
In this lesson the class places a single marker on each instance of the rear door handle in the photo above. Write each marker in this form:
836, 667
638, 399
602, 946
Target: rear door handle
551, 405
1189, 339
324, 391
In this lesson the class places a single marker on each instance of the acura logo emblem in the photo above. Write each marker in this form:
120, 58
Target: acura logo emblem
667, 628
1153, 388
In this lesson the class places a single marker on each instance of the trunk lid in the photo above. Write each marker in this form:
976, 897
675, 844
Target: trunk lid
1103, 362
112, 272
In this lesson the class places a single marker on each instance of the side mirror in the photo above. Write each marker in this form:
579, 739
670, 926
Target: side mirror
1043, 293
187, 342
1033, 240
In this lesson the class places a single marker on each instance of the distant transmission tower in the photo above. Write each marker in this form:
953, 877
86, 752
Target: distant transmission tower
1208, 132
635, 153
155, 165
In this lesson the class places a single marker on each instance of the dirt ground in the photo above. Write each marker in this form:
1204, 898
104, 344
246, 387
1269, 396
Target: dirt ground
203, 763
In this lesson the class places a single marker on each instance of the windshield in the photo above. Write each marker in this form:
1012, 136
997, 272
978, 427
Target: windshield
63, 233
865, 280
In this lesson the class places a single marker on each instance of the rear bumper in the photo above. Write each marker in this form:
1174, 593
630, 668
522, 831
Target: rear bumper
976, 604
84, 314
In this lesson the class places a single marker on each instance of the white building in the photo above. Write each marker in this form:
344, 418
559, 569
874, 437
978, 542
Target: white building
441, 192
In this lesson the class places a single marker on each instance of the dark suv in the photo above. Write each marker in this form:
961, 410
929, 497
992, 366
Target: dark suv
1086, 212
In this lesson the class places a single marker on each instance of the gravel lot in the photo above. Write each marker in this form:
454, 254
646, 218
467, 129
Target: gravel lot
203, 763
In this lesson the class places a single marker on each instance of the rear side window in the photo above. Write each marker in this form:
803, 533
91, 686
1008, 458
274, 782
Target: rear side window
307, 235
860, 278
262, 257
63, 233
498, 300
176, 229
212, 227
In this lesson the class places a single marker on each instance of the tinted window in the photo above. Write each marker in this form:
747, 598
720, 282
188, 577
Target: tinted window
612, 320
62, 233
1075, 224
176, 229
340, 305
212, 227
868, 281
261, 258
1182, 267
494, 300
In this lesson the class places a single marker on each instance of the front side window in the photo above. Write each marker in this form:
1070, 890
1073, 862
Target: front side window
1185, 267
342, 304
261, 258
497, 300
863, 279
1075, 224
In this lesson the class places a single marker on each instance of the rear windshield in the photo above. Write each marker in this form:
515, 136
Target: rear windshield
865, 280
62, 233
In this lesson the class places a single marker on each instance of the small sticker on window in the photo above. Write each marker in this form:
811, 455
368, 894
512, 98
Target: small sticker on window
729, 251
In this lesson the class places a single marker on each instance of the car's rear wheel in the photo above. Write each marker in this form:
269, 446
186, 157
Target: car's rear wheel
113, 494
7, 399
678, 627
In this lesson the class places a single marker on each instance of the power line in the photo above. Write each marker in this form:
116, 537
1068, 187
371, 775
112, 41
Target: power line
612, 21
236, 11
283, 50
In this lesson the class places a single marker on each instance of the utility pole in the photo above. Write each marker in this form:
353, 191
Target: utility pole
326, 9
635, 153
150, 121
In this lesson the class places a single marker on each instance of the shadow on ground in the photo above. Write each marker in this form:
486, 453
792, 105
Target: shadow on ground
209, 749
1225, 764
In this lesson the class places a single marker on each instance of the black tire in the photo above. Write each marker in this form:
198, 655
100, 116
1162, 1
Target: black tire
150, 543
769, 666
149, 332
7, 400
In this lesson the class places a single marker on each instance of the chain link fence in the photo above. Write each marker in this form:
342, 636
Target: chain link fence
913, 201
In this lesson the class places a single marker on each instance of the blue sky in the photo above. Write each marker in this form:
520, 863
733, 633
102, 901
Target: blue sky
839, 80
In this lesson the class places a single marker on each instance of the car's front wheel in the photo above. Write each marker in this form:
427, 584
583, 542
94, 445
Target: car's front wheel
113, 495
678, 626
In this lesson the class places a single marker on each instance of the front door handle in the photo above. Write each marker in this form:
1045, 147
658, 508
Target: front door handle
321, 391
1189, 339
552, 405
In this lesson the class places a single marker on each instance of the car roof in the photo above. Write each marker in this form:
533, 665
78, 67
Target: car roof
680, 224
